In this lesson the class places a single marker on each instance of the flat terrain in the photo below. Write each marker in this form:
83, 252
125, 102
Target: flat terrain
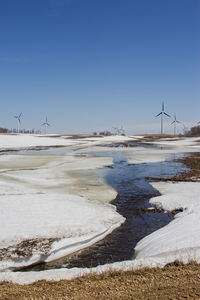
172, 282
175, 281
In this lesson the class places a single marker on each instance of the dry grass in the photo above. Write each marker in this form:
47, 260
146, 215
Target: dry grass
174, 281
193, 163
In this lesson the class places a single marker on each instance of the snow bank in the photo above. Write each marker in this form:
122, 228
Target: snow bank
184, 231
77, 221
185, 256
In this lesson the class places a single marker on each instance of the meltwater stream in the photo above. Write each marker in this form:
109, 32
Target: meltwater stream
134, 192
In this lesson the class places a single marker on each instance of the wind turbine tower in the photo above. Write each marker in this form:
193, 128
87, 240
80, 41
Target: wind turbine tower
122, 131
162, 113
46, 124
18, 121
175, 122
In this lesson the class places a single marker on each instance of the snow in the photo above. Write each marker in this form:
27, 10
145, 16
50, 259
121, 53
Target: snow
77, 221
32, 187
179, 142
60, 174
47, 196
162, 150
184, 231
111, 138
185, 256
21, 141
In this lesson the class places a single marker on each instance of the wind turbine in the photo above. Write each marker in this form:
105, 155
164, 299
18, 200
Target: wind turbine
185, 129
116, 130
122, 131
18, 121
162, 113
175, 122
46, 124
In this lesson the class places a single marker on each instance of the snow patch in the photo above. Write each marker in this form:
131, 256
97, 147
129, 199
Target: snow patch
181, 233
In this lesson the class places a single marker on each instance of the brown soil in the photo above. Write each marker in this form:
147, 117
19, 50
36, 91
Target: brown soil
26, 248
171, 282
159, 210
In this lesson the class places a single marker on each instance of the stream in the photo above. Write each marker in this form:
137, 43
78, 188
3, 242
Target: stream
134, 192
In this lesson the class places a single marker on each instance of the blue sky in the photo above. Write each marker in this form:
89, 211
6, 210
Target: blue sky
93, 64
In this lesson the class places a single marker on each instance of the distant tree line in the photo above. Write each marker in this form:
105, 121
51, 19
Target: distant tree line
6, 130
105, 133
194, 131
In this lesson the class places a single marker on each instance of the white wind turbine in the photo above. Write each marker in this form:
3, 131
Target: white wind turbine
175, 122
18, 121
162, 113
46, 124
122, 131
116, 130
119, 131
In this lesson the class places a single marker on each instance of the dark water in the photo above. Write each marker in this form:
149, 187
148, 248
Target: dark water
134, 192
129, 144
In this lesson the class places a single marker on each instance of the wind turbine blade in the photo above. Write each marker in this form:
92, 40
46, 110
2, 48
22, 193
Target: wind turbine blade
167, 114
178, 121
163, 106
20, 115
172, 122
158, 114
48, 124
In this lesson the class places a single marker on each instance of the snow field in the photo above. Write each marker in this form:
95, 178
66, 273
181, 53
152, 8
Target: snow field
82, 222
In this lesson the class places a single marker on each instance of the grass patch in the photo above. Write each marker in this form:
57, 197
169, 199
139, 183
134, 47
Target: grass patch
174, 281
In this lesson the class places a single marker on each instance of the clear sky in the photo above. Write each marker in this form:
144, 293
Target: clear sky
93, 64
